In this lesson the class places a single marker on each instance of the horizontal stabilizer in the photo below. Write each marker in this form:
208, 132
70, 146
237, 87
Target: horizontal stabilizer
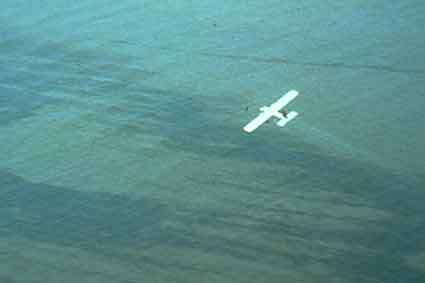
291, 115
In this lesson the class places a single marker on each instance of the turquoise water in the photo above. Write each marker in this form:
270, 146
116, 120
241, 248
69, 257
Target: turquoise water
123, 159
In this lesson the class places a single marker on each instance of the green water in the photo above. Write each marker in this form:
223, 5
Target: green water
122, 155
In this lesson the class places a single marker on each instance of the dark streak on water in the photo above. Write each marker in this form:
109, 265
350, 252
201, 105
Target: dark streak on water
341, 65
86, 220
286, 61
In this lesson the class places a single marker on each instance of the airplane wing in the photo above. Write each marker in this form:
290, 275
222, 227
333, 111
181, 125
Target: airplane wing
258, 121
285, 99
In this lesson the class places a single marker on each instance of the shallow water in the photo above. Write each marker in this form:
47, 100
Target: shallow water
123, 157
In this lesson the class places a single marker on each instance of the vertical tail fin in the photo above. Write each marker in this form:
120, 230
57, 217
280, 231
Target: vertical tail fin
291, 115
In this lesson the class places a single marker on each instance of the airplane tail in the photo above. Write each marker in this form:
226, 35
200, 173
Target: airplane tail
291, 115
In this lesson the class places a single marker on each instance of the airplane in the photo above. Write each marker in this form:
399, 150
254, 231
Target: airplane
273, 111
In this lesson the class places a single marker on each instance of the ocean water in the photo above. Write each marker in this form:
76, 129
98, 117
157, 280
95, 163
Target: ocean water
122, 155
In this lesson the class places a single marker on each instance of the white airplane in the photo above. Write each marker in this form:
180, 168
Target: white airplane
273, 111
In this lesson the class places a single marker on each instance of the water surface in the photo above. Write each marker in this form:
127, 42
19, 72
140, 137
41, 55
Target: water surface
123, 159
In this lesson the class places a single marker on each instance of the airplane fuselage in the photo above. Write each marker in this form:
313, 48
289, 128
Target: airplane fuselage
272, 112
